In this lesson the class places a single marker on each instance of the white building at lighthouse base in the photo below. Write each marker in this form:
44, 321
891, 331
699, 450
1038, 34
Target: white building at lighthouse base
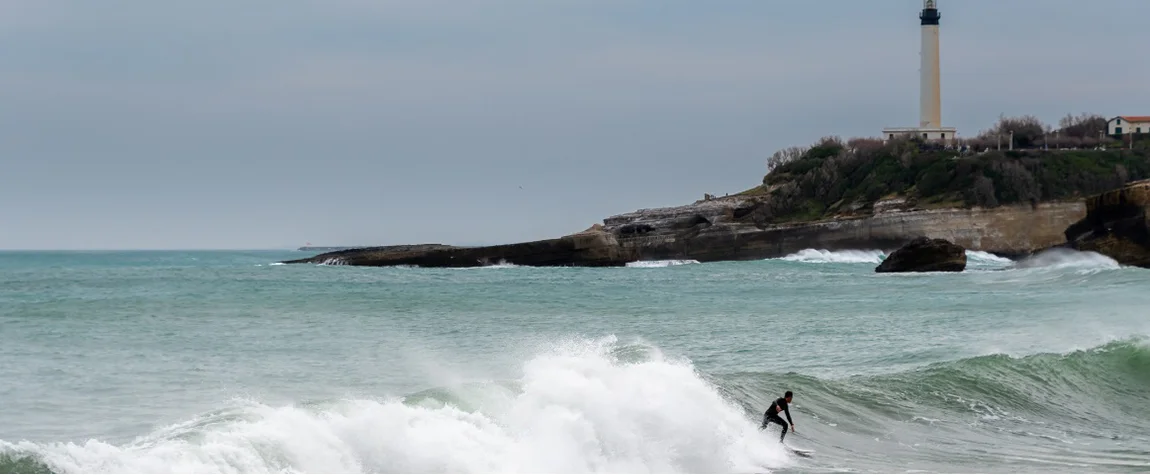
930, 134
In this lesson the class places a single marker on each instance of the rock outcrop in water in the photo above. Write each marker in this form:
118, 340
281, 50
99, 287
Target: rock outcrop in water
925, 255
594, 247
1116, 225
739, 228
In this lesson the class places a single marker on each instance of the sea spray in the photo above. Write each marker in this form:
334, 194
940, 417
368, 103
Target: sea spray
660, 264
863, 256
584, 406
822, 256
985, 259
1069, 259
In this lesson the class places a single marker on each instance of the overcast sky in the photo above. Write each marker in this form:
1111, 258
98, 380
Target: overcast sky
268, 124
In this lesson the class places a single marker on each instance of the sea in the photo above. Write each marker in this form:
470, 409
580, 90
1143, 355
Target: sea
225, 361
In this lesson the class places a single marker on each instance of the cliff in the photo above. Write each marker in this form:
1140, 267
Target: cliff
735, 229
1116, 225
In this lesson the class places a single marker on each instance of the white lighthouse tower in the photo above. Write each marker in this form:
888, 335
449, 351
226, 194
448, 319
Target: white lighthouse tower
930, 87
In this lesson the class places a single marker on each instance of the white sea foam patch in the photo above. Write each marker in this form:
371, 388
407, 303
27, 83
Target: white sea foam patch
666, 263
580, 407
1071, 259
986, 259
822, 256
502, 264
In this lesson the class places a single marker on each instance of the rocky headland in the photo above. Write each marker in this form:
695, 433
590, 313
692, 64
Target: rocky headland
732, 229
862, 194
1116, 225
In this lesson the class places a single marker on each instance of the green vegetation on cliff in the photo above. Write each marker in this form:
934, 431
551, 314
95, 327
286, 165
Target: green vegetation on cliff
836, 178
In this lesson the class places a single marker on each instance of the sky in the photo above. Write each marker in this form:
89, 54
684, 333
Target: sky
270, 124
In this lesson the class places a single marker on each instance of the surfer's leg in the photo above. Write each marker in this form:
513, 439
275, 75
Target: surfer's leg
777, 420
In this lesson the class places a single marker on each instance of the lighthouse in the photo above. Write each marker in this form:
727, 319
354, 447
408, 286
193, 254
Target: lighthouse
930, 83
930, 100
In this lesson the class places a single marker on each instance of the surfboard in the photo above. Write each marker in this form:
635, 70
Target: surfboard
800, 452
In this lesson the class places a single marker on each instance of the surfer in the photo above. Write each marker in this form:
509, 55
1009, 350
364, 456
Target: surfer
772, 415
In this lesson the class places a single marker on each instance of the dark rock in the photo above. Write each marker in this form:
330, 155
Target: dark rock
591, 248
633, 229
925, 255
693, 221
1116, 225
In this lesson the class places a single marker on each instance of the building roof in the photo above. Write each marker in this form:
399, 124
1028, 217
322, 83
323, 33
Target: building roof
1134, 118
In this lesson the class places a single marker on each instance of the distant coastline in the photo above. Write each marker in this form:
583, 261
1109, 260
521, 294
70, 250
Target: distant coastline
1011, 191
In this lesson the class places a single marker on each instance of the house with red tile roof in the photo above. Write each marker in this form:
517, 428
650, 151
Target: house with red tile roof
1128, 124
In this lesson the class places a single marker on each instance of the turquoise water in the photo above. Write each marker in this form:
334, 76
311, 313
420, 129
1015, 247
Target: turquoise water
224, 362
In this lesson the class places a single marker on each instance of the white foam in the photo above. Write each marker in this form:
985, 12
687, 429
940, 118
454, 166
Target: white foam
666, 263
985, 261
822, 256
502, 264
980, 257
1069, 259
578, 408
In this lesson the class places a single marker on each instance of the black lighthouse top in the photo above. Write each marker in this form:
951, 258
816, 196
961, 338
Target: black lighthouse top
929, 15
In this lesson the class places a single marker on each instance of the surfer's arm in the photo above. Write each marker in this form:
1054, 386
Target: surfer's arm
788, 411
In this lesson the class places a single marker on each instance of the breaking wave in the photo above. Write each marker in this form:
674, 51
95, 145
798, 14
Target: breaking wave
1019, 414
1069, 259
986, 258
579, 407
1053, 259
822, 256
602, 406
666, 263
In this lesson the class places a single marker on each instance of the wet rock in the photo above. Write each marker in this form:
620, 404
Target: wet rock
925, 255
1116, 225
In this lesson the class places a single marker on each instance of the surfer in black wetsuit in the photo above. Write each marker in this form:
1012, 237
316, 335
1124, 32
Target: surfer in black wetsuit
772, 415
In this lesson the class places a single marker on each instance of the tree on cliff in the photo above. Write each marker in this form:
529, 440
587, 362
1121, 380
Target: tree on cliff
1074, 131
1027, 130
1081, 126
784, 156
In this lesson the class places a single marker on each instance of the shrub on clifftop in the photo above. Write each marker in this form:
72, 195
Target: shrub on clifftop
833, 177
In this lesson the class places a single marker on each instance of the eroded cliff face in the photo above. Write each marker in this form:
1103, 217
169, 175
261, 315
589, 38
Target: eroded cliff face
1116, 225
733, 229
738, 228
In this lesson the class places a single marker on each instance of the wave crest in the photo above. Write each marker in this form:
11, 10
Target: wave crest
660, 264
580, 407
985, 258
823, 256
1049, 386
1068, 259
